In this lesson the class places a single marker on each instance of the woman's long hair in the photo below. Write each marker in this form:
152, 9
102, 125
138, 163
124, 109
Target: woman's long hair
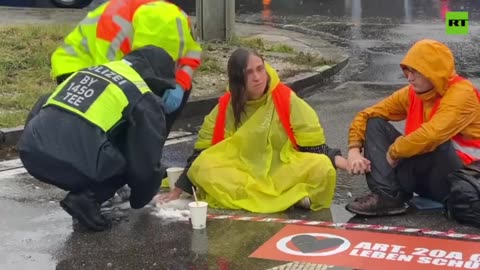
236, 68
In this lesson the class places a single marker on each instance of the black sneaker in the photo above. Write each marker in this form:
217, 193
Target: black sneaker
84, 208
376, 205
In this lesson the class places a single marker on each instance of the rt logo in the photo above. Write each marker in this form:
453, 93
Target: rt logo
456, 23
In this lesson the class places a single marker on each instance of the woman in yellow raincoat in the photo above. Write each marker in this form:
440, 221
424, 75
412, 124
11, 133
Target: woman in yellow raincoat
262, 148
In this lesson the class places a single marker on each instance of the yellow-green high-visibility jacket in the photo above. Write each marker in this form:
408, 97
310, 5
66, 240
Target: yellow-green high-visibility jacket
100, 94
117, 27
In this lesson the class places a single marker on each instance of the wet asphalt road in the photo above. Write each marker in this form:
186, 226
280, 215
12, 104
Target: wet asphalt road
36, 234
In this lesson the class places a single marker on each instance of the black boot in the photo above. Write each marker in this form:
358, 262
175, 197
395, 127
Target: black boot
83, 207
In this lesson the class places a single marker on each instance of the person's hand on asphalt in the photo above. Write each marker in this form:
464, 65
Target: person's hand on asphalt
172, 99
357, 163
341, 163
166, 197
391, 161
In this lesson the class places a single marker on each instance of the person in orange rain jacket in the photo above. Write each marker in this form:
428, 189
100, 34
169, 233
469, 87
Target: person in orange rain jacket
442, 132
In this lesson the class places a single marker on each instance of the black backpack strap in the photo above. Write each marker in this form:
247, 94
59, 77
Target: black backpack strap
474, 180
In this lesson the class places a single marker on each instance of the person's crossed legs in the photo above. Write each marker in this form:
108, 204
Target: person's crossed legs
424, 174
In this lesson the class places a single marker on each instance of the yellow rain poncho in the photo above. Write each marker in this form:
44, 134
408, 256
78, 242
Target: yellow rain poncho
256, 167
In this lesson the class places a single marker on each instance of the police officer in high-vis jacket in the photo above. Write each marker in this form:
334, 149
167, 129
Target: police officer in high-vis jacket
102, 128
117, 27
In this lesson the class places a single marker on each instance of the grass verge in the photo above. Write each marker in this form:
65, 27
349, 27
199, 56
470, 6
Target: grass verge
25, 52
25, 67
299, 58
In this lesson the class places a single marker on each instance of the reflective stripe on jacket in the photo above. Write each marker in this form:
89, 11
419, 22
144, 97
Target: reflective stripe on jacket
120, 26
467, 149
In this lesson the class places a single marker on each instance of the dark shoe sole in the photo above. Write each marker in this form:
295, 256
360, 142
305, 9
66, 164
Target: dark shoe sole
387, 212
81, 218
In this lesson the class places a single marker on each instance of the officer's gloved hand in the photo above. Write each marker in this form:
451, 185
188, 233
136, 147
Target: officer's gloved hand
172, 98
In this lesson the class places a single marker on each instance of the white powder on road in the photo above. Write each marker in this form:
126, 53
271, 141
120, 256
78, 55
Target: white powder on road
171, 214
176, 210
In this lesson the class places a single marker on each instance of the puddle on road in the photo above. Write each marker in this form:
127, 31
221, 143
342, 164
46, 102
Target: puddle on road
26, 260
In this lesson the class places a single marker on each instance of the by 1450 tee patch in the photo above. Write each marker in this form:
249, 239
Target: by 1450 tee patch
82, 91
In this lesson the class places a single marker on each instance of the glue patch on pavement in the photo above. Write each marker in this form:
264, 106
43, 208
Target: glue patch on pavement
176, 210
172, 214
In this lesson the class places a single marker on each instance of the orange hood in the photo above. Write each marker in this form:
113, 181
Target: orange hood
434, 60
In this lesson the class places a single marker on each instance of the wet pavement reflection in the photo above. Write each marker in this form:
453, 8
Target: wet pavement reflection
155, 243
38, 235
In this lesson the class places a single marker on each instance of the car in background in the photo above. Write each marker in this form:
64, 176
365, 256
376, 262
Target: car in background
47, 3
188, 4
71, 3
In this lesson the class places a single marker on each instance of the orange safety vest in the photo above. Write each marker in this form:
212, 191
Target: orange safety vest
467, 150
109, 29
281, 98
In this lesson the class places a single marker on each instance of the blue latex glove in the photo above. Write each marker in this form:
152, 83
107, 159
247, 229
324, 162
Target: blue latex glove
172, 98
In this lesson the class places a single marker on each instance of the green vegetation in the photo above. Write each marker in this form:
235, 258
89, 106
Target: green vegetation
25, 52
25, 67
259, 44
299, 58
308, 59
210, 65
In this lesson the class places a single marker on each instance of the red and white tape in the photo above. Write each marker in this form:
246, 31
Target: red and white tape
448, 234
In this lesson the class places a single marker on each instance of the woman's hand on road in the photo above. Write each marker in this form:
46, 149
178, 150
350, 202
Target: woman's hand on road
167, 197
341, 163
357, 163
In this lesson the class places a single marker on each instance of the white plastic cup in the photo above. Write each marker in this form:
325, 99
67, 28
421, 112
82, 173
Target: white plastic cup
198, 214
173, 174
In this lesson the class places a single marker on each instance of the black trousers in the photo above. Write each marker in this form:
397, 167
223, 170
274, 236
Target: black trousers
424, 174
61, 174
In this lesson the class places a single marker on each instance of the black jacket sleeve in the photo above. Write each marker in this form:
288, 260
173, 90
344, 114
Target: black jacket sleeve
145, 137
323, 149
37, 107
183, 182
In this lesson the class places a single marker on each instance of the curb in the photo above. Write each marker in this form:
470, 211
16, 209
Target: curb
10, 136
201, 107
